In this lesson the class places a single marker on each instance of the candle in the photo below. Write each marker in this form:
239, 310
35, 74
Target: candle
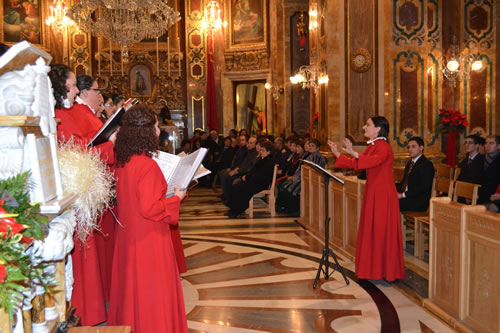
179, 54
168, 55
111, 58
157, 58
99, 56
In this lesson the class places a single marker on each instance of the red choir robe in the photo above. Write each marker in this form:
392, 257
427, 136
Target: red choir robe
379, 247
81, 124
146, 291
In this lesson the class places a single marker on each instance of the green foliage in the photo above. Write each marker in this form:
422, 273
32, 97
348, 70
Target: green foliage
19, 268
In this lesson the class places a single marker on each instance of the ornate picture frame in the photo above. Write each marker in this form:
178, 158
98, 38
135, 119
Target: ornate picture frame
24, 20
248, 24
140, 80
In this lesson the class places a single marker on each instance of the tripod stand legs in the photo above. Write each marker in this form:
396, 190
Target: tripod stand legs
324, 259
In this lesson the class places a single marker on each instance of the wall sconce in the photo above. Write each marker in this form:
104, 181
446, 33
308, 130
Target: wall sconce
212, 20
57, 18
275, 90
308, 77
454, 65
313, 19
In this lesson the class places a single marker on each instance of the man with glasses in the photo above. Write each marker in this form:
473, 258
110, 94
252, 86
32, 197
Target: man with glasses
471, 167
491, 175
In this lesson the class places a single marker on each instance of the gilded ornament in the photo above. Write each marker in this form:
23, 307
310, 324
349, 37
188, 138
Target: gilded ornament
361, 60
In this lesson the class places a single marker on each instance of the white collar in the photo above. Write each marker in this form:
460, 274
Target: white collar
372, 142
473, 156
416, 158
81, 101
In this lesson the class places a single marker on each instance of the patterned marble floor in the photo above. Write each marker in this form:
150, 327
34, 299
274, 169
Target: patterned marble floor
256, 275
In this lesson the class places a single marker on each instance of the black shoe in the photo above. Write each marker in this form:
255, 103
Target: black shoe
232, 215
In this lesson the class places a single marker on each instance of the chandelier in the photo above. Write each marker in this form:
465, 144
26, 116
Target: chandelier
212, 20
308, 77
454, 63
124, 22
57, 18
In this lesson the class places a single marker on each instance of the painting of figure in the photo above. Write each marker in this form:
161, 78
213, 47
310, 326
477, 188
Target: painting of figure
250, 107
140, 81
247, 21
22, 21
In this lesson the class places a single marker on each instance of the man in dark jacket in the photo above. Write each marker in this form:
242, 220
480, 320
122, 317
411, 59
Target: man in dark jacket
491, 174
414, 191
472, 166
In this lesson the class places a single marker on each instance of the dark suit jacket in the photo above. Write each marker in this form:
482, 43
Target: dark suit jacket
419, 185
490, 180
471, 173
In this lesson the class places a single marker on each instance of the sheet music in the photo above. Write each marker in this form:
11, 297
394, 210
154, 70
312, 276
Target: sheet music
167, 163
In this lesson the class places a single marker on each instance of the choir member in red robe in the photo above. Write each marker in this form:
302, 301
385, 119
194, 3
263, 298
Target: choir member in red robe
79, 123
379, 248
146, 291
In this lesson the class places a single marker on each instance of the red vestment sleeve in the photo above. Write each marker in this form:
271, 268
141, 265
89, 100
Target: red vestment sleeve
152, 204
371, 157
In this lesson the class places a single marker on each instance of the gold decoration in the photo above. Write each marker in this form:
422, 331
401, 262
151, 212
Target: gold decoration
361, 60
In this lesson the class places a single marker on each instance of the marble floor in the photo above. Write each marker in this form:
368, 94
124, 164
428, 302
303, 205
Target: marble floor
257, 275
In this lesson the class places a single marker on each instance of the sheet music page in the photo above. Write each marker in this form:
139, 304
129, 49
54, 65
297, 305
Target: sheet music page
167, 163
185, 171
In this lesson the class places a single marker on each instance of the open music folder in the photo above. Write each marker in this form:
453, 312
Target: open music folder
179, 171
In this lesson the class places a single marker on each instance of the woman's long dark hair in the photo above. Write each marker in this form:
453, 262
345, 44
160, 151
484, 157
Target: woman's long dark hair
137, 134
381, 122
58, 75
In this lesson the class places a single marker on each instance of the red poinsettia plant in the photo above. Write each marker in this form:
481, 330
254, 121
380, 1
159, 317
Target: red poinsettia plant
452, 120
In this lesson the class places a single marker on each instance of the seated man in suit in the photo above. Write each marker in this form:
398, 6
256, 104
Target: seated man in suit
472, 166
490, 178
414, 191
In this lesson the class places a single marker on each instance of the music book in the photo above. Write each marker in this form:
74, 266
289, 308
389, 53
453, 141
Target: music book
111, 125
331, 175
180, 171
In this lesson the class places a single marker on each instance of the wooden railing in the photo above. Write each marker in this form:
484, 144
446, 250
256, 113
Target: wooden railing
464, 249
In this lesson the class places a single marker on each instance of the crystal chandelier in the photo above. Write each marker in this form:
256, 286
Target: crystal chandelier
454, 63
124, 22
57, 17
212, 20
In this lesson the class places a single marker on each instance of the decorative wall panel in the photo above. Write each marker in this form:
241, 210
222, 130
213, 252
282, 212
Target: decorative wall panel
361, 57
478, 101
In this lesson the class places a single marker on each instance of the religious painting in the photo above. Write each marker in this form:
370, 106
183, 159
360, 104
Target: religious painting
250, 106
22, 20
247, 23
140, 81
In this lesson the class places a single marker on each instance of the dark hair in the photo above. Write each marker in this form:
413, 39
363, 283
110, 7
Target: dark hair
418, 140
165, 113
482, 141
84, 82
496, 138
106, 96
381, 122
184, 142
137, 134
117, 98
58, 75
315, 142
234, 132
267, 145
474, 137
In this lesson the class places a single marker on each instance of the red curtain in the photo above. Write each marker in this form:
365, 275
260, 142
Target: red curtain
451, 148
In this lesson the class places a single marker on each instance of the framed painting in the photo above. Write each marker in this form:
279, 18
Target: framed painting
247, 24
24, 20
250, 111
140, 81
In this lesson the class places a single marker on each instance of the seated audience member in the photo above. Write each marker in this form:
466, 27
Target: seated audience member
186, 147
414, 191
493, 205
196, 135
289, 191
491, 174
243, 131
227, 154
297, 149
233, 134
281, 154
241, 170
238, 158
471, 167
482, 142
258, 178
197, 144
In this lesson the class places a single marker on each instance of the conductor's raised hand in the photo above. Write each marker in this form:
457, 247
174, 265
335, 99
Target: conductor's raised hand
348, 148
333, 148
179, 193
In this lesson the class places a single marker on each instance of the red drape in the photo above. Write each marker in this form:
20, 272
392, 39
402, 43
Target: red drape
451, 148
212, 119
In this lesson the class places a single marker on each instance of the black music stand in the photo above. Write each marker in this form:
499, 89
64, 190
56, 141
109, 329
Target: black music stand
326, 251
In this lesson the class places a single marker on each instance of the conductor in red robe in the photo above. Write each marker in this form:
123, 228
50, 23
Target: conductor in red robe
146, 291
379, 247
79, 123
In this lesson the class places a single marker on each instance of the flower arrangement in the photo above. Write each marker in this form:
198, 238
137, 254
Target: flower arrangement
452, 120
20, 225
